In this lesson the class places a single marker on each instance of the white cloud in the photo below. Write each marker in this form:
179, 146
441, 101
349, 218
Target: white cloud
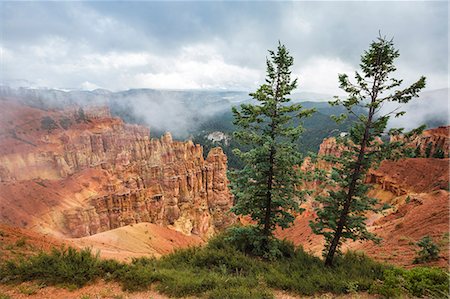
196, 67
320, 74
64, 64
86, 85
68, 44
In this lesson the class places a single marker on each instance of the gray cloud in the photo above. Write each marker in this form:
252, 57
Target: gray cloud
212, 45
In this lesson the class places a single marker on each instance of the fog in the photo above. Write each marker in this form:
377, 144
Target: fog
178, 112
431, 108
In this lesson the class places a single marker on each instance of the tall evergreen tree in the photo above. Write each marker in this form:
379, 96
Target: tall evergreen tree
265, 189
341, 213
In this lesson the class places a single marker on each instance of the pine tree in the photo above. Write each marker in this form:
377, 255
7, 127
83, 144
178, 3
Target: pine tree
341, 213
265, 189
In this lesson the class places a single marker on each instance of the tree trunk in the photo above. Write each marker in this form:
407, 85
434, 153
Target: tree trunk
351, 189
269, 196
267, 232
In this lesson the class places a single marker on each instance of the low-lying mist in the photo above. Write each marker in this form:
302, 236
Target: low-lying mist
179, 112
184, 112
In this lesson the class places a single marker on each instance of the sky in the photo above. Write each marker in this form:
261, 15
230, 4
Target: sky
212, 45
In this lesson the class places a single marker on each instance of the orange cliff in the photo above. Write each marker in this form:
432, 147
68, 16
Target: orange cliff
432, 141
76, 173
417, 191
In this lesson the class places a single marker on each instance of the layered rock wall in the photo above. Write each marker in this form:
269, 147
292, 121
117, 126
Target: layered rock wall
433, 143
160, 181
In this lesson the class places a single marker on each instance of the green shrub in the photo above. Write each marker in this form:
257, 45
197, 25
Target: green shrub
248, 240
429, 251
21, 242
63, 266
418, 282
28, 290
65, 122
219, 270
182, 283
136, 277
240, 292
111, 269
47, 123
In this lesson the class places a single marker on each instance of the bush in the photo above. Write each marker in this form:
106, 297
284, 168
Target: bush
111, 268
240, 292
418, 282
21, 242
306, 275
249, 240
219, 270
136, 277
64, 266
429, 251
47, 123
65, 122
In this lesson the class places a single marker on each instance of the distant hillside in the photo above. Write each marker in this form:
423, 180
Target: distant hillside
317, 127
196, 114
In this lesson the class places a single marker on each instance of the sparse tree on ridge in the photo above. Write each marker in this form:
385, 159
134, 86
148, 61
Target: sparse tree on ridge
265, 189
341, 213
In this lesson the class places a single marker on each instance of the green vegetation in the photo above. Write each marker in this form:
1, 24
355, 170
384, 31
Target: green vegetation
428, 150
439, 153
65, 122
80, 116
429, 251
341, 214
417, 282
65, 266
316, 128
29, 289
21, 242
47, 123
220, 270
266, 188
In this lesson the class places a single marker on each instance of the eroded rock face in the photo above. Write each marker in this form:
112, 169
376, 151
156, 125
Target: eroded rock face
416, 189
142, 180
329, 146
432, 143
191, 197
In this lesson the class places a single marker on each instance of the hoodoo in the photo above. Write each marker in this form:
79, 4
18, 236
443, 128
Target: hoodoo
80, 171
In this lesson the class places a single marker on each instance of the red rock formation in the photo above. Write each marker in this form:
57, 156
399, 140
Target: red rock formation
431, 141
329, 146
416, 189
411, 175
124, 176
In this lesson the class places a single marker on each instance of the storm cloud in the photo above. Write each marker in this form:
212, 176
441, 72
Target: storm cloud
211, 45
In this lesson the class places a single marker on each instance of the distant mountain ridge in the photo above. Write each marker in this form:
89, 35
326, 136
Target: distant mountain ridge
194, 114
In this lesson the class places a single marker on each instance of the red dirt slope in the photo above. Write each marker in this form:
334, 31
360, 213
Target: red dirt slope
417, 190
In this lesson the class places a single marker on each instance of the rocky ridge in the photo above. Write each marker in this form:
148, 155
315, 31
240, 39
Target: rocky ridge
79, 172
432, 143
415, 188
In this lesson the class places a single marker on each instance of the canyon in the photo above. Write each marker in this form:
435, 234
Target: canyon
79, 172
80, 177
416, 189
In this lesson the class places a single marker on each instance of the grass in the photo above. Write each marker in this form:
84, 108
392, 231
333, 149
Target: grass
21, 242
28, 290
4, 296
218, 270
64, 266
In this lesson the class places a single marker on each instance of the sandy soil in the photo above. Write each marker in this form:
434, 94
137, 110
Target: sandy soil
101, 289
142, 239
108, 290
